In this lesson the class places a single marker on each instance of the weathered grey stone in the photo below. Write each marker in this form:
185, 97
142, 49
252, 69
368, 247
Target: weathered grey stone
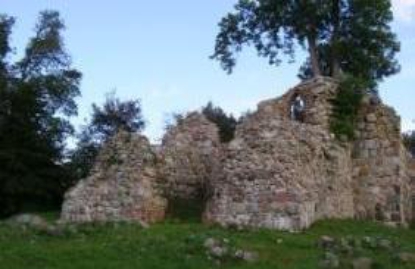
284, 174
406, 257
190, 157
284, 169
122, 185
28, 220
382, 183
371, 118
362, 263
245, 255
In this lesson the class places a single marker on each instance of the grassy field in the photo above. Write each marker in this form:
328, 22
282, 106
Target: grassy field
180, 245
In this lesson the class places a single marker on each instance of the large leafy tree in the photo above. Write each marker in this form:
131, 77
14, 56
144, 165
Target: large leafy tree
38, 95
341, 36
106, 120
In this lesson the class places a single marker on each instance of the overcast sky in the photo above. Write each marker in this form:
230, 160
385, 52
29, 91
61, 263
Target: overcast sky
158, 51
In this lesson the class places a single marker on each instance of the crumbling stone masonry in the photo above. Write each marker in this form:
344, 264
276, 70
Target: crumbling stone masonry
411, 165
282, 173
285, 170
190, 157
121, 187
381, 176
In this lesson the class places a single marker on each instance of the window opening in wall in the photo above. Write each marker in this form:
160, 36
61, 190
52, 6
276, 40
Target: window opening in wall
297, 109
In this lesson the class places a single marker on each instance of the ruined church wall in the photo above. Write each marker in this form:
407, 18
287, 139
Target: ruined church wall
189, 157
381, 180
411, 170
282, 174
316, 94
282, 170
122, 185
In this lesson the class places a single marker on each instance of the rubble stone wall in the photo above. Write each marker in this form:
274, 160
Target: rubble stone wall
316, 95
411, 167
382, 184
190, 157
283, 174
122, 185
283, 170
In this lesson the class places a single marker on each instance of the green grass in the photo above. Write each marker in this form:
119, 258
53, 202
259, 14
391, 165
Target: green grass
179, 245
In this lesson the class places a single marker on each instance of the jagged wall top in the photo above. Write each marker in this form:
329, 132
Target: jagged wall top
316, 95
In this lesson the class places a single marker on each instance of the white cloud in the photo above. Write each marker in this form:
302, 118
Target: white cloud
404, 10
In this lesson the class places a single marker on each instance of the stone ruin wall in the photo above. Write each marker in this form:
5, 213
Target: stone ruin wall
381, 176
277, 173
122, 185
411, 166
316, 95
283, 174
189, 157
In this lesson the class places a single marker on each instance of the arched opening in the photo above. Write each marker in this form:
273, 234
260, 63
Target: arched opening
297, 108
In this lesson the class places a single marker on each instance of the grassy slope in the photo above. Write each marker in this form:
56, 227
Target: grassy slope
180, 245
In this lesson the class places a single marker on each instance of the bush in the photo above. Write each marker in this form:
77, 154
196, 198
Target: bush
226, 123
346, 107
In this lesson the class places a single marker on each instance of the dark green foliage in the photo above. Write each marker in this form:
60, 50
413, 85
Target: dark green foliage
409, 141
115, 115
37, 95
226, 123
343, 37
271, 27
349, 36
81, 159
346, 107
362, 51
106, 121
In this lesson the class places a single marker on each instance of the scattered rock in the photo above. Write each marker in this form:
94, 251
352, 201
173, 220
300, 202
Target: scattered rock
210, 242
245, 255
385, 244
406, 257
326, 242
216, 249
28, 220
219, 251
362, 263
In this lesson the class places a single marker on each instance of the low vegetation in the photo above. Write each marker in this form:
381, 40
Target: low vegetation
346, 107
180, 244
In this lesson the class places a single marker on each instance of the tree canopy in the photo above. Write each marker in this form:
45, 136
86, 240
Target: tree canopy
37, 97
341, 36
106, 120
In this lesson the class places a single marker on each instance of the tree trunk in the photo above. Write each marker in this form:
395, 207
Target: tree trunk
315, 65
